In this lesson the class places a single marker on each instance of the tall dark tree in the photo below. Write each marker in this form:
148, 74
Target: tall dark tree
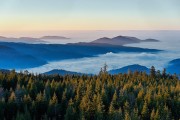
153, 72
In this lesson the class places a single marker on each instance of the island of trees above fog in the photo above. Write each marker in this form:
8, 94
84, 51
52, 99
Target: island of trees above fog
131, 96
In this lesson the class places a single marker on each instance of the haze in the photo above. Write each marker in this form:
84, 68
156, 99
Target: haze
52, 15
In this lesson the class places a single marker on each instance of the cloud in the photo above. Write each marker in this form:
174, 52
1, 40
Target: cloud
114, 61
169, 43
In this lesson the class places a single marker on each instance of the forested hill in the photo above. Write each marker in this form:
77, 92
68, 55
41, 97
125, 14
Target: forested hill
132, 96
23, 56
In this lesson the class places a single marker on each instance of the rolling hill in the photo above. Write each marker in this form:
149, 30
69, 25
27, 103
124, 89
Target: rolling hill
53, 37
174, 66
61, 72
121, 40
18, 55
132, 68
22, 55
31, 40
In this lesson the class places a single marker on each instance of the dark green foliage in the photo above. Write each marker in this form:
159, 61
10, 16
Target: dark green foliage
133, 96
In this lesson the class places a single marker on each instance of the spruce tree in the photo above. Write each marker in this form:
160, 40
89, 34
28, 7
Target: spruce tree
152, 72
100, 108
152, 117
70, 111
145, 111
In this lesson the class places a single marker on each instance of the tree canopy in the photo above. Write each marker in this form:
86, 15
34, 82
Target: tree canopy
132, 96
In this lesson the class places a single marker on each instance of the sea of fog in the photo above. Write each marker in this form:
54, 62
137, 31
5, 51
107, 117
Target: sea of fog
169, 43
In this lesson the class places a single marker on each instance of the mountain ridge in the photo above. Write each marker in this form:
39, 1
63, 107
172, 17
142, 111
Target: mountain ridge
122, 40
18, 54
132, 68
53, 37
62, 72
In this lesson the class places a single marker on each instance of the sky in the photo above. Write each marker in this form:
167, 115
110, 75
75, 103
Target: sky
49, 15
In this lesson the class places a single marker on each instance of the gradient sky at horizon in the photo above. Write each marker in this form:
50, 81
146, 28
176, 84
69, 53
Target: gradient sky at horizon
39, 15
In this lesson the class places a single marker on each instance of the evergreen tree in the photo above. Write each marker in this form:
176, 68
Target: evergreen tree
53, 107
164, 73
135, 114
54, 100
111, 110
12, 106
120, 113
166, 114
145, 111
100, 108
70, 112
127, 107
152, 115
111, 97
127, 116
152, 72
157, 116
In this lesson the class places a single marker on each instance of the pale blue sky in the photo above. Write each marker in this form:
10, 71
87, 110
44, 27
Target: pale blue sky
19, 15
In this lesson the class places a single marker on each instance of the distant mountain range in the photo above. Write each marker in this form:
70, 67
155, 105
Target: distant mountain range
15, 54
119, 40
21, 39
61, 72
22, 55
122, 40
31, 39
53, 37
132, 68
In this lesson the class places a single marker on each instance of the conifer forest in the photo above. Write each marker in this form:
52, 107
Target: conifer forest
131, 96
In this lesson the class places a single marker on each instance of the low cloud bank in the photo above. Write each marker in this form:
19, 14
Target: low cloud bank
114, 61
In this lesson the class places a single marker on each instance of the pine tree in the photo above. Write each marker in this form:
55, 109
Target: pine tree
127, 107
120, 113
145, 111
152, 72
27, 100
104, 97
70, 111
12, 97
152, 115
100, 108
135, 114
105, 68
54, 100
12, 106
127, 116
157, 117
41, 105
111, 110
64, 103
53, 106
164, 73
86, 107
115, 100
166, 113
